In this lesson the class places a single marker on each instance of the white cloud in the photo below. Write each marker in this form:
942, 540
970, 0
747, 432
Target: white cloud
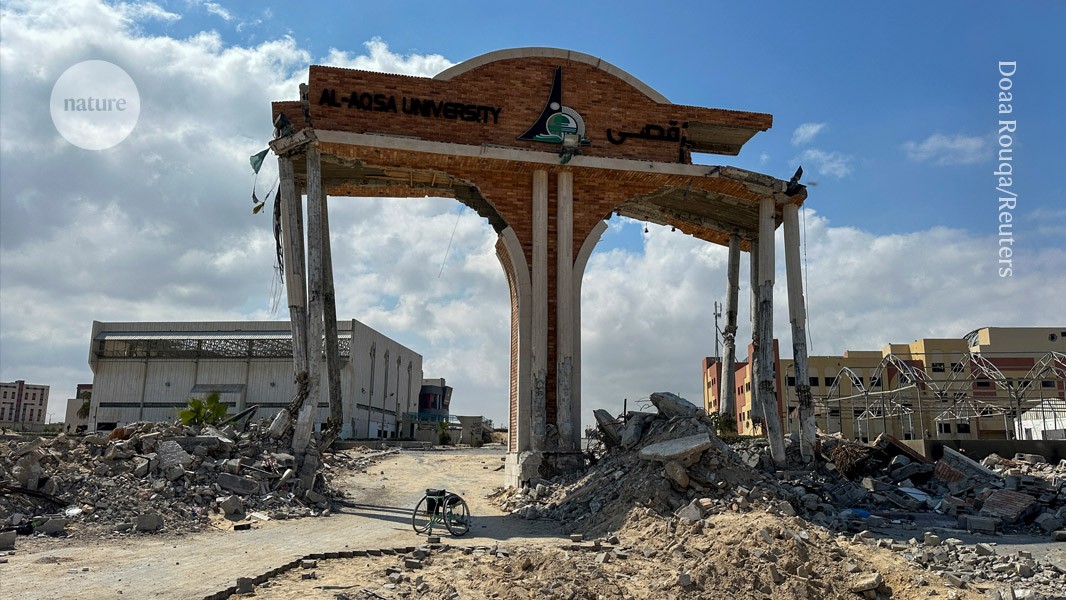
218, 10
380, 58
941, 149
833, 163
764, 158
805, 133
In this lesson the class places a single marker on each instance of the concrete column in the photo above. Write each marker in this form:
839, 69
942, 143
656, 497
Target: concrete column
564, 310
753, 310
329, 318
305, 418
765, 321
539, 357
727, 405
797, 313
293, 254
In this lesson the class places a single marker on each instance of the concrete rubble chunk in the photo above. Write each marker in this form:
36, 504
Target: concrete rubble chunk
149, 521
866, 581
7, 539
52, 525
238, 484
634, 430
676, 473
172, 454
231, 505
672, 405
609, 427
678, 449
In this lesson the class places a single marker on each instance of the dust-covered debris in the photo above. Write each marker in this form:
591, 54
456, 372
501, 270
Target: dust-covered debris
158, 476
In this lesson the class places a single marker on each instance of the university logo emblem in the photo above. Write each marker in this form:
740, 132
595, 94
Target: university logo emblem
556, 120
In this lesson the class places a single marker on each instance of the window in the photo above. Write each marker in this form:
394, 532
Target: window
834, 412
960, 395
1047, 384
858, 412
938, 367
747, 387
814, 381
791, 382
2, 411
962, 428
983, 383
943, 427
31, 414
875, 382
956, 367
830, 380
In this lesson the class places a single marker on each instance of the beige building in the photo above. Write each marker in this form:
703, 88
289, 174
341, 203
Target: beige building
973, 387
23, 406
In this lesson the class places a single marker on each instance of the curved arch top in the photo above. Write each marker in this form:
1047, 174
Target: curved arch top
557, 53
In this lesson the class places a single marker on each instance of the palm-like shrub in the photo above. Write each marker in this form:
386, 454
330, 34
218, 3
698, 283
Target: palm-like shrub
205, 411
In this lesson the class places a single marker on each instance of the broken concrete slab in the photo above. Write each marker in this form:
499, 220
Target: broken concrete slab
866, 581
679, 449
672, 405
238, 484
7, 540
52, 525
612, 431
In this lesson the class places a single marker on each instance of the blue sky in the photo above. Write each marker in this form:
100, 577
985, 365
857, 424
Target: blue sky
878, 76
890, 108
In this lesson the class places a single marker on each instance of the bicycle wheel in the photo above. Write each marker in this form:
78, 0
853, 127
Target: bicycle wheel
422, 517
456, 515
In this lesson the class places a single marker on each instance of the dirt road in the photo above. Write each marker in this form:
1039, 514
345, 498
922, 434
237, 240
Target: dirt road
194, 565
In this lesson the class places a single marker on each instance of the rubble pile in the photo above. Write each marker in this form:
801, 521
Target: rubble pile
663, 461
150, 476
981, 566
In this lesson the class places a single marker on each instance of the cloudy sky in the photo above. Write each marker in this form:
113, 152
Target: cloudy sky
892, 111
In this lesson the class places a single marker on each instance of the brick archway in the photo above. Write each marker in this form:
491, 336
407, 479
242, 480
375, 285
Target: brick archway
546, 145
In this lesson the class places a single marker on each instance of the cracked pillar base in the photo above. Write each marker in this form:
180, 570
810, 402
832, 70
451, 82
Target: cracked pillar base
522, 467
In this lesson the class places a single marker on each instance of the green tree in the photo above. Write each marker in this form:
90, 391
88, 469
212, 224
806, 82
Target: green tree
206, 411
443, 436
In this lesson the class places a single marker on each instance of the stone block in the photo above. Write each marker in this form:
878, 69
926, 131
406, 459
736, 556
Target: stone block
676, 473
7, 540
245, 585
984, 550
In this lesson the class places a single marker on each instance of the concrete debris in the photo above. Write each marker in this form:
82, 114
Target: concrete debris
161, 476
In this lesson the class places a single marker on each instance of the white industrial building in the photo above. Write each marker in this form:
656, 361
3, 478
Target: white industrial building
148, 371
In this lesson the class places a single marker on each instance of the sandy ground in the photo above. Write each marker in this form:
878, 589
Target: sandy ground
88, 565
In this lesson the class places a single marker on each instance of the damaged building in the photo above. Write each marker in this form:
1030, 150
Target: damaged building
148, 371
995, 383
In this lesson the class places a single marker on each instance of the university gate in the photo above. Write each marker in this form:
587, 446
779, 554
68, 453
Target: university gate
546, 145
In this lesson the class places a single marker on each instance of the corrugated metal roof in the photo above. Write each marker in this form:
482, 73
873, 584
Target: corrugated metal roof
219, 335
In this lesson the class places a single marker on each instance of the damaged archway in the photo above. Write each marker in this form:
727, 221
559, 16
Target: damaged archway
545, 144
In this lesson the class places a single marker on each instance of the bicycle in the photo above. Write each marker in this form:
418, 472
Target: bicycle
441, 506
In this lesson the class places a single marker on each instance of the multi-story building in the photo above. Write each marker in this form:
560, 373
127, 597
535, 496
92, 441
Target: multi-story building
970, 387
148, 371
23, 406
